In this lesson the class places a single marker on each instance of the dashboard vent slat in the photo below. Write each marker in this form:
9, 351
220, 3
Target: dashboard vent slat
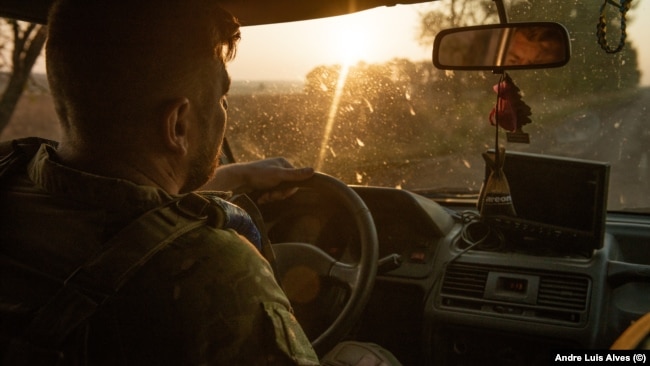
563, 292
464, 281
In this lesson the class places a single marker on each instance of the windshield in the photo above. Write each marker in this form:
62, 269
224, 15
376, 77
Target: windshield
357, 97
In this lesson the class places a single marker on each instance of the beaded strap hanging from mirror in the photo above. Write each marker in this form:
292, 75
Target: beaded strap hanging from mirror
601, 27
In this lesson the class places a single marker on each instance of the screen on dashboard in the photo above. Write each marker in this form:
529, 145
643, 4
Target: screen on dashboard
562, 194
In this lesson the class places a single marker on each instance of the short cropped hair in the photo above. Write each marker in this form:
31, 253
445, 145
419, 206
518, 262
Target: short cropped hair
113, 62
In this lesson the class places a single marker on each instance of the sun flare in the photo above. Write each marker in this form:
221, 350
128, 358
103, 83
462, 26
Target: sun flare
350, 42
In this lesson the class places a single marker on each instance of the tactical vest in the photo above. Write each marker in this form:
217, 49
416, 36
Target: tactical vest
81, 294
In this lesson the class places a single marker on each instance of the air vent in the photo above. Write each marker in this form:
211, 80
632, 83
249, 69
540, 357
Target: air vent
564, 292
541, 296
464, 281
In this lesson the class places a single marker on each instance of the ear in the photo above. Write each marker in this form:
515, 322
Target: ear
176, 124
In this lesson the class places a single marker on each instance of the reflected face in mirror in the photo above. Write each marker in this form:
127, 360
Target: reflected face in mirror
502, 47
534, 46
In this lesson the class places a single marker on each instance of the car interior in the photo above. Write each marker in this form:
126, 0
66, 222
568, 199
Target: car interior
455, 236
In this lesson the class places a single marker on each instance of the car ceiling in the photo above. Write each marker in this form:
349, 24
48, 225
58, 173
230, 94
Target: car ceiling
249, 12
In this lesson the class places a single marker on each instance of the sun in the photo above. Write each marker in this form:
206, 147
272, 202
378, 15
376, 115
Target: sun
350, 42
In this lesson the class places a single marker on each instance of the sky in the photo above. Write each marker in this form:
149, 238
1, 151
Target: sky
370, 35
374, 36
639, 33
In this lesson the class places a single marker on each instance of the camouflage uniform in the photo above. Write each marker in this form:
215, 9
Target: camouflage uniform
207, 298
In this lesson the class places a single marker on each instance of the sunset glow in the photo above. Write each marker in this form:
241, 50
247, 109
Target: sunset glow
350, 46
373, 36
353, 41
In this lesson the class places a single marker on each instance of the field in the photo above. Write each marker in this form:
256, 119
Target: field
405, 134
34, 116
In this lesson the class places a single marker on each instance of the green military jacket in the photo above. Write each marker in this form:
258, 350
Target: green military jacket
208, 298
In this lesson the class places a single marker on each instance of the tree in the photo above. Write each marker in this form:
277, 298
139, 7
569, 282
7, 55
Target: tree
28, 40
456, 13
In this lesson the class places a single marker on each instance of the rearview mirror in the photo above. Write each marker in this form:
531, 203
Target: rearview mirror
502, 47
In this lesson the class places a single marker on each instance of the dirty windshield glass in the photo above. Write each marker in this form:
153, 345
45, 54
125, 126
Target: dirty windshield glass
358, 97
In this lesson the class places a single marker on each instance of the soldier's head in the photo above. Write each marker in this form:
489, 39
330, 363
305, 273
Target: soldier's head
122, 70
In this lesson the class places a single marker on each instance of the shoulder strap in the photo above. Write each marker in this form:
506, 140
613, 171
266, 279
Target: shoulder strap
104, 274
18, 152
132, 247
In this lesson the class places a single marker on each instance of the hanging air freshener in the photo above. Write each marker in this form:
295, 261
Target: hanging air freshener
495, 198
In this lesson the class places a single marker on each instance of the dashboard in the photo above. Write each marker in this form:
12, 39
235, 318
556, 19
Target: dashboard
445, 302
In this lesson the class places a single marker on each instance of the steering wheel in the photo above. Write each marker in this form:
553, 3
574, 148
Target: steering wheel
358, 278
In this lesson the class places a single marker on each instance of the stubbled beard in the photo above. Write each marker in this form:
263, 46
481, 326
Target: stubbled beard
202, 167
